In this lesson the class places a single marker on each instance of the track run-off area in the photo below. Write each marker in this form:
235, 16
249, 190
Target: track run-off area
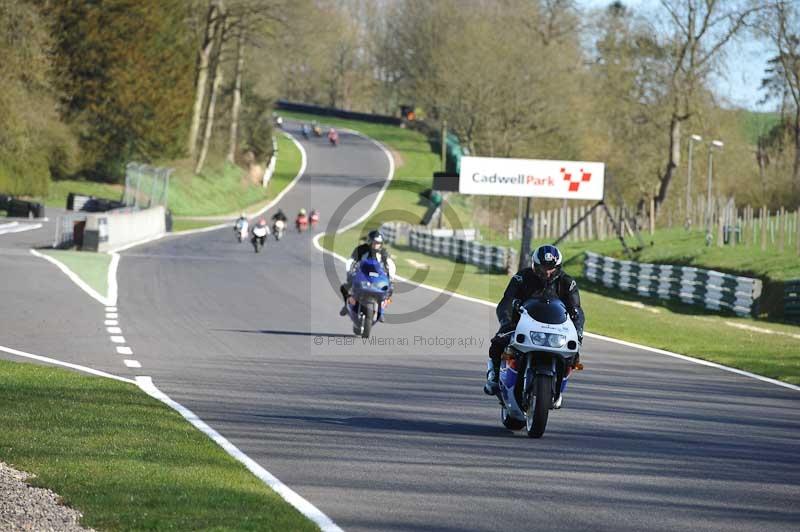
394, 433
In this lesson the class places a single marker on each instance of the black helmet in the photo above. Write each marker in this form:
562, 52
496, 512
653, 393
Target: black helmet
375, 236
546, 258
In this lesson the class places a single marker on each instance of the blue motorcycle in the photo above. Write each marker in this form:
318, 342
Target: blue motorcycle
370, 292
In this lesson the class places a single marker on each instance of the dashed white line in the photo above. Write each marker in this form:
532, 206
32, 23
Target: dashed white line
132, 363
118, 339
112, 315
113, 330
111, 322
111, 309
124, 350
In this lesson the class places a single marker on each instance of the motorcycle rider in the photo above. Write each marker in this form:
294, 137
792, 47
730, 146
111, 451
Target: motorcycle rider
333, 136
313, 217
279, 216
544, 276
372, 248
240, 221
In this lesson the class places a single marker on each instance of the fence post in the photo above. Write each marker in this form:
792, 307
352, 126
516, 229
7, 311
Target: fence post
762, 220
781, 229
797, 230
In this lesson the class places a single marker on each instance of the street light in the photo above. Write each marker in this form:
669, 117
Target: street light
695, 138
712, 145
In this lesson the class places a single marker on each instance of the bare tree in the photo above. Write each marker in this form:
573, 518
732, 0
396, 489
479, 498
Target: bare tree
781, 25
699, 29
212, 27
215, 88
237, 97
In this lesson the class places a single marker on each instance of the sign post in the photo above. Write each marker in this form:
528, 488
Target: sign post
531, 178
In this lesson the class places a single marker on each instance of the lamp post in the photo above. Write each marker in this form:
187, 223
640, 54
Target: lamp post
712, 145
692, 139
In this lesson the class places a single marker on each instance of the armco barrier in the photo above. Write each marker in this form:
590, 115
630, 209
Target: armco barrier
707, 288
494, 258
117, 228
791, 301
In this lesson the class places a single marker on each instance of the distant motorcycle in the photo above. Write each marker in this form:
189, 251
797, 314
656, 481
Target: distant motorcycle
333, 137
240, 230
314, 219
536, 365
259, 237
301, 223
278, 228
317, 130
371, 292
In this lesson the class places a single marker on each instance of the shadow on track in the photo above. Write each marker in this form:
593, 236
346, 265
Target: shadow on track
288, 333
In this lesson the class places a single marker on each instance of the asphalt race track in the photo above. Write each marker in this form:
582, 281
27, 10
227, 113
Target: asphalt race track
399, 436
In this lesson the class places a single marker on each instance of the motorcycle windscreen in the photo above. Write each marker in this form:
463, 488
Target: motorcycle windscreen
546, 311
372, 271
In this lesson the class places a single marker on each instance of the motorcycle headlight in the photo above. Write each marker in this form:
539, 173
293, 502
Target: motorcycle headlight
365, 284
538, 338
556, 340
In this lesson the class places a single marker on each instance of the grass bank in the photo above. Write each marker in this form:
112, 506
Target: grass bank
767, 349
220, 189
125, 460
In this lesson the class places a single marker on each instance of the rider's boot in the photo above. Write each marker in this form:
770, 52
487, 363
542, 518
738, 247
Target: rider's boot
345, 294
492, 377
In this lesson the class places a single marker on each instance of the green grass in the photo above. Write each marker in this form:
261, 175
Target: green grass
186, 225
59, 190
755, 124
222, 188
125, 460
673, 326
92, 268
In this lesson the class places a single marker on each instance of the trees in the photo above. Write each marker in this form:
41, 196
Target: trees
781, 25
34, 143
696, 32
126, 74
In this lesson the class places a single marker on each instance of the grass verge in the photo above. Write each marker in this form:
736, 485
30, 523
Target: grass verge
665, 325
92, 268
125, 460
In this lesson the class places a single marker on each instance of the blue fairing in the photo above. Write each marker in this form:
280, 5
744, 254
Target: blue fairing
370, 282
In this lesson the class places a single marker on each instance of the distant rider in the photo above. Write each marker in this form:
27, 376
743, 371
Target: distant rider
545, 276
372, 248
279, 216
333, 136
241, 221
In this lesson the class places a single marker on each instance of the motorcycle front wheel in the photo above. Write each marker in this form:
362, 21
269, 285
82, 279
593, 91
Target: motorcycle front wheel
368, 311
539, 406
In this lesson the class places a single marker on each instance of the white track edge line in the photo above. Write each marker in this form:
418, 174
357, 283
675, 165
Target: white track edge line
70, 365
73, 277
305, 507
491, 304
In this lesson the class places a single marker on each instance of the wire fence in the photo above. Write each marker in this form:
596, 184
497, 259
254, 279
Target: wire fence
146, 186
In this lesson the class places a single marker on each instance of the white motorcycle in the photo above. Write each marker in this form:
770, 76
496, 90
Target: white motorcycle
278, 229
260, 233
240, 230
544, 352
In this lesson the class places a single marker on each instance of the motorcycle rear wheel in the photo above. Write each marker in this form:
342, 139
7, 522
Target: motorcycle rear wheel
539, 406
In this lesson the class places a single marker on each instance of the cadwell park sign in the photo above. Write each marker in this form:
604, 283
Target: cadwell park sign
531, 178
